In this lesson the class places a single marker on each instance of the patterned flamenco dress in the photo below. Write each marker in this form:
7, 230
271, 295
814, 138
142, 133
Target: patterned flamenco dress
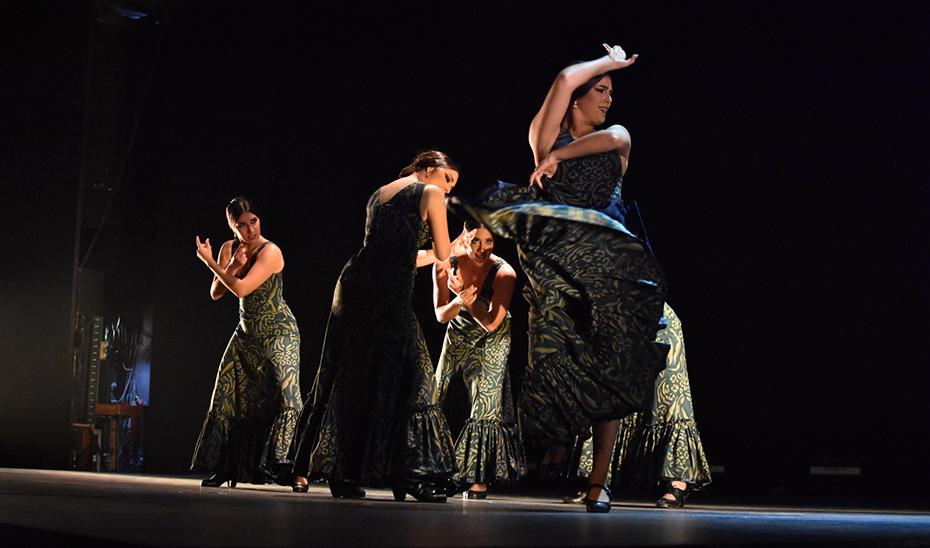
372, 420
595, 295
662, 444
489, 448
256, 400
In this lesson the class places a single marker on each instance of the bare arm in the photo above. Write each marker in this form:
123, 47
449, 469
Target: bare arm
544, 129
615, 137
269, 261
491, 318
444, 305
433, 202
234, 264
425, 257
436, 217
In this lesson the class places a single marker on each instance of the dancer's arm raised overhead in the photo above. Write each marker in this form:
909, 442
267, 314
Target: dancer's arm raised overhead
550, 119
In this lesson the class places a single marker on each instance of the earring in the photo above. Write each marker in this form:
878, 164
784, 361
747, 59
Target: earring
575, 104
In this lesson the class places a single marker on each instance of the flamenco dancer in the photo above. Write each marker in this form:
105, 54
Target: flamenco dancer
472, 293
372, 421
595, 291
256, 399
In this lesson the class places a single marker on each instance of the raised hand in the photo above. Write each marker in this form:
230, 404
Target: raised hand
239, 258
618, 56
547, 167
204, 250
462, 243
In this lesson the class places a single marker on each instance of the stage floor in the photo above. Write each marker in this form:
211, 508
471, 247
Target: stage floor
45, 507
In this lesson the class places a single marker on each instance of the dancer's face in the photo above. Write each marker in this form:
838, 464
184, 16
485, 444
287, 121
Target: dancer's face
443, 177
481, 246
592, 107
248, 227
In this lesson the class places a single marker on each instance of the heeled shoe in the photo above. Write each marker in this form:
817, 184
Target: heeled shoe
420, 489
597, 505
346, 489
218, 479
300, 484
477, 495
677, 501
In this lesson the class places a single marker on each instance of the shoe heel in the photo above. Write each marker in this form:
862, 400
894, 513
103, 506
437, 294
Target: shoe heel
399, 494
232, 484
597, 506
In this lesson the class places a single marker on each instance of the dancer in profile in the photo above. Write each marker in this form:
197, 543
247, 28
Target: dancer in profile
256, 399
370, 420
595, 290
472, 293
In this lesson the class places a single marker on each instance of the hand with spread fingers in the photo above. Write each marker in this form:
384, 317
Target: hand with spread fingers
462, 243
618, 56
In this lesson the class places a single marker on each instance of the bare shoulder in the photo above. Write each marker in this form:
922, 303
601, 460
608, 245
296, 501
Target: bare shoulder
433, 192
271, 251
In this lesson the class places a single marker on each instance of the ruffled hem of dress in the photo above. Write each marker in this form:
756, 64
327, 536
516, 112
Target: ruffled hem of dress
489, 451
666, 451
247, 453
429, 451
551, 412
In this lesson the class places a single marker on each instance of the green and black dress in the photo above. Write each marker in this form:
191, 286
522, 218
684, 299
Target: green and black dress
489, 448
371, 417
256, 400
595, 294
662, 444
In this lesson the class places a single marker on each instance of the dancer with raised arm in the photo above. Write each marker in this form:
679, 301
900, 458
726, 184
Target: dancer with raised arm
595, 291
256, 399
472, 293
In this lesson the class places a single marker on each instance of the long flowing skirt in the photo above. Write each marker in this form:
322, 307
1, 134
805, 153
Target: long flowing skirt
595, 295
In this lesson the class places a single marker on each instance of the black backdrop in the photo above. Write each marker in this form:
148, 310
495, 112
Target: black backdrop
778, 153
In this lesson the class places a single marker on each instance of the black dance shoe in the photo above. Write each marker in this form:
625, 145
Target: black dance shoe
300, 484
421, 489
597, 505
480, 495
345, 489
216, 480
677, 501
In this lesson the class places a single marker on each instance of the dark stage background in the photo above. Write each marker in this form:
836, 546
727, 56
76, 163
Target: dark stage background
779, 155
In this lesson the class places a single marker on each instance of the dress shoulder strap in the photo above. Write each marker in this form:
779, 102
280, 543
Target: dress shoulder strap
257, 251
